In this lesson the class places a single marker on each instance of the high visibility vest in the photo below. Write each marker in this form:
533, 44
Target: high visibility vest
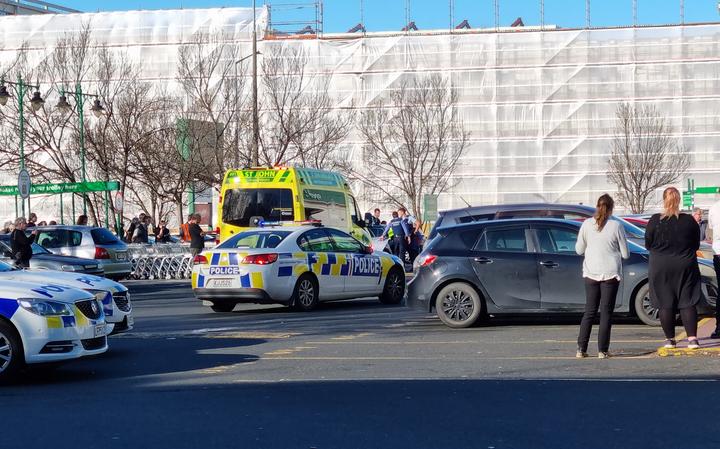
185, 231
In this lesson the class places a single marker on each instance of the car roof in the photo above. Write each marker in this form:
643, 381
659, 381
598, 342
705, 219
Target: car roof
511, 221
67, 227
518, 207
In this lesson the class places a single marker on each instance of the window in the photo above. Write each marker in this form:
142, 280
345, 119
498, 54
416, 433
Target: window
255, 240
59, 238
316, 240
345, 243
327, 206
102, 236
509, 240
240, 206
557, 240
356, 214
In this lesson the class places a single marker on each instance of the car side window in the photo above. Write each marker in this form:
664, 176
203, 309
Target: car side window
557, 240
345, 243
75, 238
52, 239
505, 240
316, 240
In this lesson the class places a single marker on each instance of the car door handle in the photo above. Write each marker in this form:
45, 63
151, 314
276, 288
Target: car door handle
549, 264
483, 260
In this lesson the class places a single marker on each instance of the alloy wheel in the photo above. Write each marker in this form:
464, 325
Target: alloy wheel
306, 293
395, 288
458, 305
650, 311
6, 353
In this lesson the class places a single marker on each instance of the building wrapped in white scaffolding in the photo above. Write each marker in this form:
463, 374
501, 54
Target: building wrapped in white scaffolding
539, 104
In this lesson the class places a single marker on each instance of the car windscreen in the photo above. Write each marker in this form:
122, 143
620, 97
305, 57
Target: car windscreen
102, 236
255, 240
240, 206
4, 267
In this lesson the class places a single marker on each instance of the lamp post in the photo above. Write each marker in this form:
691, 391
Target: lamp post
36, 103
97, 109
256, 131
253, 156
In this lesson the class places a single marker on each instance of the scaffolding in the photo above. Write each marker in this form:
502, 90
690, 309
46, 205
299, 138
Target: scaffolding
27, 7
295, 20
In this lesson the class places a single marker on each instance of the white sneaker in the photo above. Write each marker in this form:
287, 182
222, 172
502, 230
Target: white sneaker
670, 344
693, 344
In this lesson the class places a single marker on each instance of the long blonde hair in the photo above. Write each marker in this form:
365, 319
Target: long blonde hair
671, 203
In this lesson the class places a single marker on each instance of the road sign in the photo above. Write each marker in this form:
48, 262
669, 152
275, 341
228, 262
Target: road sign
119, 201
430, 207
707, 190
24, 184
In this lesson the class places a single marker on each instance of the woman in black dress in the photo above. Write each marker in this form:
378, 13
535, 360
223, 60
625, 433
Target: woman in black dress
674, 276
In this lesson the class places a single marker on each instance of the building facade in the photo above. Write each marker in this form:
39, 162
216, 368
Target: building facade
539, 105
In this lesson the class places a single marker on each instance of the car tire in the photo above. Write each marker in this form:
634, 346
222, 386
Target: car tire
223, 307
306, 294
458, 305
394, 289
644, 309
11, 352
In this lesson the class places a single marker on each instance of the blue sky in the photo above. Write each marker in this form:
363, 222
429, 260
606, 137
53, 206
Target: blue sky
384, 15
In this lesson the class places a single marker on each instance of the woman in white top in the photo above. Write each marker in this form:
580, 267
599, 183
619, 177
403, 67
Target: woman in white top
604, 245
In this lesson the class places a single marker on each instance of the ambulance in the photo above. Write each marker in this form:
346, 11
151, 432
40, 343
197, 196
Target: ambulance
252, 197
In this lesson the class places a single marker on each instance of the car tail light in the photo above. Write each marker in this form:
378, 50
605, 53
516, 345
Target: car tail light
260, 259
200, 260
101, 253
426, 260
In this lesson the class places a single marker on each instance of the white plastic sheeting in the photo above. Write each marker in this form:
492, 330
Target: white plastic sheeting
539, 105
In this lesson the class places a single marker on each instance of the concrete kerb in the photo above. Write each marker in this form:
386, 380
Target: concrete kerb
708, 347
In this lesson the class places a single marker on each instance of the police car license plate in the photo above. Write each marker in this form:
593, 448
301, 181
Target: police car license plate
221, 283
99, 330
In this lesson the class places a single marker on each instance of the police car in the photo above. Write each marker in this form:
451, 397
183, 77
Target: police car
47, 322
113, 295
296, 266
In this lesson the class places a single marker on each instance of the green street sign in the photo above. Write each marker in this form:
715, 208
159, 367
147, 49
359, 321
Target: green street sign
687, 199
707, 190
67, 187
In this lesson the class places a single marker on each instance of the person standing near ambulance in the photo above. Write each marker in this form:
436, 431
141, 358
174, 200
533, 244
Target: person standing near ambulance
714, 226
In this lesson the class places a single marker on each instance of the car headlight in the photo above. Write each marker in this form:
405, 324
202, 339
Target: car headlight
99, 294
45, 308
71, 268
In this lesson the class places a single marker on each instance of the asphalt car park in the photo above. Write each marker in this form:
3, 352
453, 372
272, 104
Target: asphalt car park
358, 374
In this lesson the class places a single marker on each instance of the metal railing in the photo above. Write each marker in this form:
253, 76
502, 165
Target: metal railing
166, 261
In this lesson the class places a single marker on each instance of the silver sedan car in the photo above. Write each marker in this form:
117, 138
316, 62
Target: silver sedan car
88, 242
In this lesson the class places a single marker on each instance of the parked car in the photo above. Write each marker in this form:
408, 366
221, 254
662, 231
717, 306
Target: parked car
89, 242
639, 222
523, 266
42, 323
528, 210
44, 259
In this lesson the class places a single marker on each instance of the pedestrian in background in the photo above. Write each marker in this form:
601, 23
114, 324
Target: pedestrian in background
162, 233
8, 227
673, 238
417, 240
197, 236
185, 230
131, 230
714, 225
32, 219
375, 218
82, 220
52, 223
21, 244
604, 244
389, 233
697, 215
140, 235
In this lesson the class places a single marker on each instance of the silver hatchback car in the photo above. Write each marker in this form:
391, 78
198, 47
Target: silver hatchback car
89, 242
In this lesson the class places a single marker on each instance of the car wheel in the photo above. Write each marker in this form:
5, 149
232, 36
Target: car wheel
305, 295
458, 305
644, 308
223, 307
394, 289
11, 352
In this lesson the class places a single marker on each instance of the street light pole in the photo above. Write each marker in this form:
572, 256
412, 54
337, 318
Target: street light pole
256, 133
253, 154
36, 103
97, 109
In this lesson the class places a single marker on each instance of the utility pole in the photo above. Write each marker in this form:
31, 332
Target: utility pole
256, 130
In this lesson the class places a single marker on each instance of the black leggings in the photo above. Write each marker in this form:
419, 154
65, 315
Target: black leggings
689, 320
600, 295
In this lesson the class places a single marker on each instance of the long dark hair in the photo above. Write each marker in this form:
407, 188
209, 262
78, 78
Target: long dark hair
603, 210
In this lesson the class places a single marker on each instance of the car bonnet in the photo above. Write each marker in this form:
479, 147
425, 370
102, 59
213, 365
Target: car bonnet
12, 289
75, 280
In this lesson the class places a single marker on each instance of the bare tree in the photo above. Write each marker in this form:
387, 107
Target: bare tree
213, 117
299, 120
645, 155
413, 143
